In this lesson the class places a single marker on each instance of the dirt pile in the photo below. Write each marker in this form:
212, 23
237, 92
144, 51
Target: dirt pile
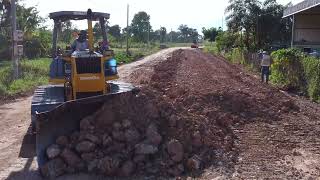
181, 122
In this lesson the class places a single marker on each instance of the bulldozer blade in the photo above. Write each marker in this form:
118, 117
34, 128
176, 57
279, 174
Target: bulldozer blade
65, 118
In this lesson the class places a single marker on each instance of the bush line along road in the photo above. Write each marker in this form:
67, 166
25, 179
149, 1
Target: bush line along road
229, 125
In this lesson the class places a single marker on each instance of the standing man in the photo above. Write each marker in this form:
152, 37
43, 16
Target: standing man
265, 66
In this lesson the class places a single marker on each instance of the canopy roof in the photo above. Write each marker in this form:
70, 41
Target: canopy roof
303, 6
77, 15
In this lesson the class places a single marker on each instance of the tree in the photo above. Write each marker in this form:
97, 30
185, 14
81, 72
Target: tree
163, 33
28, 20
227, 40
242, 16
188, 34
97, 33
261, 23
272, 28
184, 30
174, 36
210, 34
115, 31
66, 32
140, 26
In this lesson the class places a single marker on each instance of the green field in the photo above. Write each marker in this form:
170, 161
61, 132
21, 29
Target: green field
32, 73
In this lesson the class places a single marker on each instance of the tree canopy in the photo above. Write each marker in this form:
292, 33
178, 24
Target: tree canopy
260, 22
211, 33
140, 26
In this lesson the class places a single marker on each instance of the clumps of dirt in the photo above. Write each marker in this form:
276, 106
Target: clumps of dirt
180, 123
129, 137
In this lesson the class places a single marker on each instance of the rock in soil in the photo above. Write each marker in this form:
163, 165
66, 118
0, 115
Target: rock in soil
106, 140
88, 156
71, 158
145, 149
85, 124
153, 136
176, 170
90, 137
53, 151
132, 135
118, 135
196, 139
194, 163
62, 141
53, 168
85, 146
108, 165
175, 149
127, 168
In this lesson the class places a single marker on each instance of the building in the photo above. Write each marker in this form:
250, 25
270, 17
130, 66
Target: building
306, 25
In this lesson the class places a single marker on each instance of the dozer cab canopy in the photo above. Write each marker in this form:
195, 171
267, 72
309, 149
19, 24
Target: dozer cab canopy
62, 16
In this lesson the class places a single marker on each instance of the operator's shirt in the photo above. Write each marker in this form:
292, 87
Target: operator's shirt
80, 46
266, 60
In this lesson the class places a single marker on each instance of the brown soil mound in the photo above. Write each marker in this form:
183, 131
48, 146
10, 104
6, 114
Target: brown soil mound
181, 121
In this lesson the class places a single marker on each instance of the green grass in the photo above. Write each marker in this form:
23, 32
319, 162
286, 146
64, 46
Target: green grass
32, 74
135, 53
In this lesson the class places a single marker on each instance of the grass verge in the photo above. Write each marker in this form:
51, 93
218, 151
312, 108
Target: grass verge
32, 74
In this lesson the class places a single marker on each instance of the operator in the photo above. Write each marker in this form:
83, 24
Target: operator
265, 66
81, 43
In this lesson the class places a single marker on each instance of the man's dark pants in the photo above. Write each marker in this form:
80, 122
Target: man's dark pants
265, 72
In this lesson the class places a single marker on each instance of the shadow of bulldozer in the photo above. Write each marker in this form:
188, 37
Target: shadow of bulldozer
27, 156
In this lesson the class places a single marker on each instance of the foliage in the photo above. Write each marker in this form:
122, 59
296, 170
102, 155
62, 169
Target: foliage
227, 40
163, 33
259, 22
188, 34
33, 74
115, 31
140, 26
295, 70
211, 48
312, 75
287, 69
211, 33
39, 45
28, 20
65, 32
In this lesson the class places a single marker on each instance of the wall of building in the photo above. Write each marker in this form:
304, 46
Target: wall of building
307, 27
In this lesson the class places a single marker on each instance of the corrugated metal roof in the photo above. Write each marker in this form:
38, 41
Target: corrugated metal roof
304, 5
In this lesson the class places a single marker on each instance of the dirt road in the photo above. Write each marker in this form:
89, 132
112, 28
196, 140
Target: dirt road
256, 131
16, 144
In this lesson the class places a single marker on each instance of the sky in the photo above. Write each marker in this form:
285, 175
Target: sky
167, 13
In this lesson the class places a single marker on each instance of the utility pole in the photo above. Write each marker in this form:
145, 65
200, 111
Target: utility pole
127, 38
15, 60
222, 23
148, 34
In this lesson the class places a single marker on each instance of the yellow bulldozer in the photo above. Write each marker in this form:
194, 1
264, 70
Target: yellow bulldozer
80, 83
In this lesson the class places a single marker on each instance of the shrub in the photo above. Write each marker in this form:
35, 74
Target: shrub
296, 71
3, 89
32, 74
287, 69
312, 73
